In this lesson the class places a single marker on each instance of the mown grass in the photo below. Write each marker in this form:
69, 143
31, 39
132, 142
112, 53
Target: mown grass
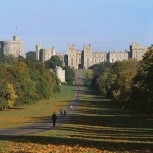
99, 125
40, 110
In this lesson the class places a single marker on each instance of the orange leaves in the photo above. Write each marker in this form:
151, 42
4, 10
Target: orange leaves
50, 148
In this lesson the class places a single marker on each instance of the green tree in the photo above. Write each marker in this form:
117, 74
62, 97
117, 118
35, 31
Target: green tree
10, 59
116, 81
142, 89
98, 69
53, 62
69, 75
31, 55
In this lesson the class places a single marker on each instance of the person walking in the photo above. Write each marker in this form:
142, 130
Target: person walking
61, 112
64, 112
54, 118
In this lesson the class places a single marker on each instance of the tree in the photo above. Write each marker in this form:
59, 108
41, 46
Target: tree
10, 59
116, 81
98, 69
31, 55
69, 75
142, 89
7, 95
53, 62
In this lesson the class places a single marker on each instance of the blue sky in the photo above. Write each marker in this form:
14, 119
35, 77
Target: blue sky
106, 24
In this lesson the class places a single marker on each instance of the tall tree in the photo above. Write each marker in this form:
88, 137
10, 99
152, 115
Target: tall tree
53, 62
69, 75
142, 89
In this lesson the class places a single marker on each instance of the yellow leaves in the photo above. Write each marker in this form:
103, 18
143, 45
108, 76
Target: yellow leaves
12, 95
29, 147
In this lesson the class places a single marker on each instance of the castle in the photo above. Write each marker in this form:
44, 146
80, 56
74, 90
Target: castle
14, 47
75, 58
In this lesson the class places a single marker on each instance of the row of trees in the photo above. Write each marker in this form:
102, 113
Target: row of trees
24, 82
128, 82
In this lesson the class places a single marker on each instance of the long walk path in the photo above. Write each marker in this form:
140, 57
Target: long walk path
46, 124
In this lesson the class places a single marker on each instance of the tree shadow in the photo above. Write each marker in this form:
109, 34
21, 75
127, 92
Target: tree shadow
102, 144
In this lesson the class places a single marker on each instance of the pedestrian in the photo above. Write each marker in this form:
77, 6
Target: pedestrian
61, 112
54, 118
71, 107
64, 112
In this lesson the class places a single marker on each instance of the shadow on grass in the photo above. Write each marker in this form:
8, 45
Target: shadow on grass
100, 123
102, 144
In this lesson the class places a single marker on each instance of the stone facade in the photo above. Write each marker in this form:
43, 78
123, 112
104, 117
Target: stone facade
60, 73
74, 57
137, 51
86, 58
13, 47
117, 56
44, 54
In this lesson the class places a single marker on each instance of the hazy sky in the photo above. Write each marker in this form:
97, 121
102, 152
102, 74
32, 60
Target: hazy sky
106, 24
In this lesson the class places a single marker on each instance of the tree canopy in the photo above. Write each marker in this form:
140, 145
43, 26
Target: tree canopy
53, 62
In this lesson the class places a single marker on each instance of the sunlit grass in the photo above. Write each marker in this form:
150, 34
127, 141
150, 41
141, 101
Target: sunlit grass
99, 125
40, 110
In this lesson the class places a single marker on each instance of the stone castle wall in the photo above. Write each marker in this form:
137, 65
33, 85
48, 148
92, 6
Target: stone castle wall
14, 47
60, 73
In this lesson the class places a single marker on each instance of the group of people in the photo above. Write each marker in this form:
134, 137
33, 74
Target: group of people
54, 116
63, 112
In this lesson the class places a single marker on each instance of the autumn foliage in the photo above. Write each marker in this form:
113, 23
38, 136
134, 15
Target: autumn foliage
24, 82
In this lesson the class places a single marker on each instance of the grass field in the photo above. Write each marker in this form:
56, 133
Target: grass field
40, 110
99, 125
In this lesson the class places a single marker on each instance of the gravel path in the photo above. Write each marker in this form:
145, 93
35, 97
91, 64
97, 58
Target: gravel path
46, 124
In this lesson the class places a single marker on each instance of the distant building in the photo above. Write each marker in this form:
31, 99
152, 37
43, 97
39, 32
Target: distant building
13, 47
117, 56
44, 54
60, 73
137, 51
84, 59
75, 58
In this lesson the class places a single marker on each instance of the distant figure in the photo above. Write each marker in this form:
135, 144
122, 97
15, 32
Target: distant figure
71, 107
54, 118
68, 107
123, 107
61, 112
64, 112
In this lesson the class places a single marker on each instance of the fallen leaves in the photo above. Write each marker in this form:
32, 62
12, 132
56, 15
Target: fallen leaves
49, 148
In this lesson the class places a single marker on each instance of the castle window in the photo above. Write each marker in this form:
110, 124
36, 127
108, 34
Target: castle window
79, 60
71, 59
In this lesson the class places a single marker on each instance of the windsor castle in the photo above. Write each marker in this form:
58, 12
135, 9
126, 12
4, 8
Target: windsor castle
75, 58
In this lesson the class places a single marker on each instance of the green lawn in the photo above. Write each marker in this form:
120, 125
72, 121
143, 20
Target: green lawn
40, 110
99, 125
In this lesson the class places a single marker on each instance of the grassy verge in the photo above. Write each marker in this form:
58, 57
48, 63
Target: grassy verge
40, 110
99, 125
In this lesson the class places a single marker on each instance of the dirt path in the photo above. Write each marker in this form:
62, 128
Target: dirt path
47, 124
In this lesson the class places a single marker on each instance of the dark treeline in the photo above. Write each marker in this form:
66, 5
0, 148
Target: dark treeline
129, 83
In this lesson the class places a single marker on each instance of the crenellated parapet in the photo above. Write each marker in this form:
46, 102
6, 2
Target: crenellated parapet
14, 47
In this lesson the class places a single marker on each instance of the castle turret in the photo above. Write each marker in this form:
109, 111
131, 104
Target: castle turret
38, 47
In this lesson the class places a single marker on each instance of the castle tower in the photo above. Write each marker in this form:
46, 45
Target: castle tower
38, 47
14, 47
137, 51
87, 56
72, 56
